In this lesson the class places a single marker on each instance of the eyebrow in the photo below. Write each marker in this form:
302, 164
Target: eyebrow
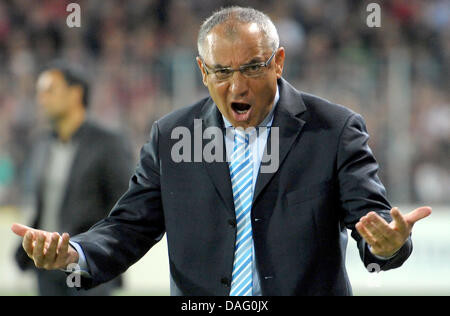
254, 60
218, 66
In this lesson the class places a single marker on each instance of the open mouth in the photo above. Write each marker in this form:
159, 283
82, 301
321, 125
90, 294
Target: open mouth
240, 108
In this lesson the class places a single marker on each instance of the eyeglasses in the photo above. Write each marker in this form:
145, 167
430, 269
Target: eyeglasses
250, 70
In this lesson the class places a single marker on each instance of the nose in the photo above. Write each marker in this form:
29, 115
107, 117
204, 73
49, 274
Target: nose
238, 84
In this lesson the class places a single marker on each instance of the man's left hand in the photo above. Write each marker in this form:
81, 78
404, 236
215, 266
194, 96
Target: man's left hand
385, 239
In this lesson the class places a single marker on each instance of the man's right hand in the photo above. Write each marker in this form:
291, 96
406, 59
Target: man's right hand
49, 251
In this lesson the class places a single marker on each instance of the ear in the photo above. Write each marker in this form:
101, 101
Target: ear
279, 62
76, 92
203, 71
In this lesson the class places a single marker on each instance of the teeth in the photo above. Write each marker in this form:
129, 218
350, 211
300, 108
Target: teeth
242, 112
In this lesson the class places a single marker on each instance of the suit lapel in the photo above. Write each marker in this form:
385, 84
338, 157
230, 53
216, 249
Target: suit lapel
40, 165
81, 142
219, 172
289, 127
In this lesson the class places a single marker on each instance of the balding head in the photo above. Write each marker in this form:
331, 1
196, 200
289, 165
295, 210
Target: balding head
230, 18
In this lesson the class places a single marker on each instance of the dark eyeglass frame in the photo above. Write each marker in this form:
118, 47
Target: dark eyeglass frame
242, 69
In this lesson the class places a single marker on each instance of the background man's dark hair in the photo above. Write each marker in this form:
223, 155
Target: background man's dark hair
73, 75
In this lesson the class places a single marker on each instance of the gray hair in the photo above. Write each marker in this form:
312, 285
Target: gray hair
243, 15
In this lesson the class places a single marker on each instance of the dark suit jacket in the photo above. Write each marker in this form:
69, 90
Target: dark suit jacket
327, 180
98, 177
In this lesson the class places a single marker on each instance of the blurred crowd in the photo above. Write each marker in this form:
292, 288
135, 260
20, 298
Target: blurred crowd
140, 58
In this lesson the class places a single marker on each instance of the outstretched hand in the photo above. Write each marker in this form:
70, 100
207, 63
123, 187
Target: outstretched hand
385, 239
49, 251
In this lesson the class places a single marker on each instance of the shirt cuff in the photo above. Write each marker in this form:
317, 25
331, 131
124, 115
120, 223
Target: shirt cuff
82, 263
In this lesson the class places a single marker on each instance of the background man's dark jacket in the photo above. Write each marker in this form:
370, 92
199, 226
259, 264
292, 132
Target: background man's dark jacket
100, 171
326, 181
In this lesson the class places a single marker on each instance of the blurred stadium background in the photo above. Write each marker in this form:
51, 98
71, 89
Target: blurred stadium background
140, 57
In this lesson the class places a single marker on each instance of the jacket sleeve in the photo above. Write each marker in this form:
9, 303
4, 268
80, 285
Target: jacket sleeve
361, 191
135, 224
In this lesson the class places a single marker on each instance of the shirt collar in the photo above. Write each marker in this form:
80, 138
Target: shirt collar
267, 120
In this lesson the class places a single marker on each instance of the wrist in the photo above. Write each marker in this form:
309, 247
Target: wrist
383, 256
74, 257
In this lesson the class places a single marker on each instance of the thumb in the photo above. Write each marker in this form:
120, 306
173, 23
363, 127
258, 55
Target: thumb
20, 229
418, 214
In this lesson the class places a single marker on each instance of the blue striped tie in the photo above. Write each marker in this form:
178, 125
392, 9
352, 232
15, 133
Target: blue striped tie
241, 171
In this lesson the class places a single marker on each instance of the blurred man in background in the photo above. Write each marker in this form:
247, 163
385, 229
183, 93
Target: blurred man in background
78, 170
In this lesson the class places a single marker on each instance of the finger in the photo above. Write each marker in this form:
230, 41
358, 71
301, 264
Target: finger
27, 243
362, 230
399, 221
50, 255
373, 230
417, 214
38, 251
63, 247
48, 238
381, 226
20, 229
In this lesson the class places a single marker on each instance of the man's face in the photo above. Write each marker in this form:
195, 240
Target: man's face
242, 100
53, 94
